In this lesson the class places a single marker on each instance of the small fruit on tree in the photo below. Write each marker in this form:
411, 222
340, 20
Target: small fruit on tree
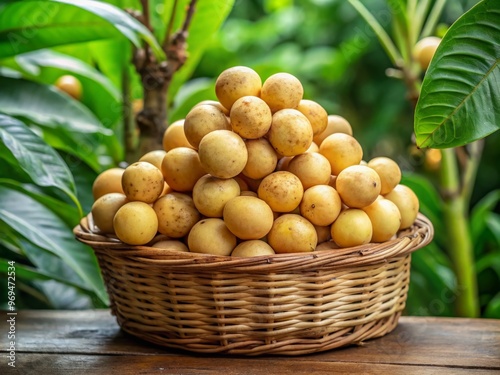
424, 50
70, 85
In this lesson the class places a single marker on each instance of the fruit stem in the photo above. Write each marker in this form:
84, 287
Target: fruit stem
469, 176
460, 245
384, 38
432, 20
130, 138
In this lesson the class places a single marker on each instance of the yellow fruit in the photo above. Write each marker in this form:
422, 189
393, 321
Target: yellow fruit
223, 154
283, 163
282, 90
341, 150
407, 202
108, 181
352, 228
282, 191
248, 193
210, 194
181, 168
154, 157
323, 233
70, 85
174, 245
262, 158
326, 245
320, 205
135, 223
424, 50
142, 181
215, 104
335, 124
104, 210
432, 159
252, 184
358, 186
248, 218
250, 117
292, 233
388, 171
175, 137
243, 184
176, 214
385, 218
201, 120
311, 168
137, 106
252, 248
290, 133
313, 148
316, 115
236, 82
211, 236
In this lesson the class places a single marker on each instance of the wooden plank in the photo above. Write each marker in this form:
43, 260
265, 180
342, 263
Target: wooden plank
55, 364
437, 341
92, 331
416, 341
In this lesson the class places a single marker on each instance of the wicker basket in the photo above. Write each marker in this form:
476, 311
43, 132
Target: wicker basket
288, 304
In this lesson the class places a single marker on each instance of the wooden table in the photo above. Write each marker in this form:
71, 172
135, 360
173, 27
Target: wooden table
90, 342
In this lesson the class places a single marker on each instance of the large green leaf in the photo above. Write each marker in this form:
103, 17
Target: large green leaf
492, 311
56, 113
48, 277
480, 214
460, 95
35, 157
431, 204
45, 105
30, 273
27, 25
99, 94
68, 213
433, 285
40, 226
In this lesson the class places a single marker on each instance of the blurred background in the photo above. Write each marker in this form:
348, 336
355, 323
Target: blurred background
324, 43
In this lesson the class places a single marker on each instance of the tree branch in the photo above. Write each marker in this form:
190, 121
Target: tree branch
145, 13
176, 46
168, 32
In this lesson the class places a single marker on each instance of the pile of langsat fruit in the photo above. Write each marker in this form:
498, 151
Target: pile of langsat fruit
259, 172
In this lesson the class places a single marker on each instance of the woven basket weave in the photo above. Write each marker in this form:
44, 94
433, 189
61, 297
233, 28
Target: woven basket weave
288, 304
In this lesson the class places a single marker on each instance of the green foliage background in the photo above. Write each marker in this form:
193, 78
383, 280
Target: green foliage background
323, 42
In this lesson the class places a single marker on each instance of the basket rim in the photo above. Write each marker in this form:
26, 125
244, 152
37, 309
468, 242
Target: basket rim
406, 242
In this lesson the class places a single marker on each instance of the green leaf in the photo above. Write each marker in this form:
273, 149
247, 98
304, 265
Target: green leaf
28, 25
30, 273
44, 166
493, 224
490, 260
56, 113
191, 93
433, 284
66, 212
492, 310
480, 213
384, 39
98, 92
460, 92
40, 226
431, 204
46, 105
